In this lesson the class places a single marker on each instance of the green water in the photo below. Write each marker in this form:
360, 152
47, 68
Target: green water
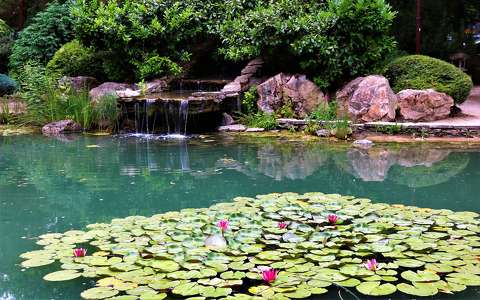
50, 185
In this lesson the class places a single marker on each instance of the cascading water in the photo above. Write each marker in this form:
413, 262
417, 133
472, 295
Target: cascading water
193, 105
168, 117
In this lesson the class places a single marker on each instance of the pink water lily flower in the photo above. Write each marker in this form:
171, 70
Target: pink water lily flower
371, 264
79, 252
282, 225
332, 219
223, 225
269, 275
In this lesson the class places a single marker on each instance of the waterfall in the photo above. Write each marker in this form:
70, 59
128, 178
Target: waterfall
182, 117
148, 103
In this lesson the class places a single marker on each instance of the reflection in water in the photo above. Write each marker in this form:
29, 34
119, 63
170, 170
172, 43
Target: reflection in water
289, 161
55, 185
374, 164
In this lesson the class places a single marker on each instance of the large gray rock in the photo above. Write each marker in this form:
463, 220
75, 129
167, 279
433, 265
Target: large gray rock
424, 105
157, 86
246, 79
60, 127
295, 90
78, 83
367, 99
109, 88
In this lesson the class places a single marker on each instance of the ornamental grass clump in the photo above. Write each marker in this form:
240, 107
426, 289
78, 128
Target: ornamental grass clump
377, 249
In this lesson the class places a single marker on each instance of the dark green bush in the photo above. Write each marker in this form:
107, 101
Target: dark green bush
423, 72
6, 41
331, 41
259, 120
74, 59
150, 37
48, 31
7, 85
249, 101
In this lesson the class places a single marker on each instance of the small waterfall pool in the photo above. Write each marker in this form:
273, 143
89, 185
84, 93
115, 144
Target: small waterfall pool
172, 114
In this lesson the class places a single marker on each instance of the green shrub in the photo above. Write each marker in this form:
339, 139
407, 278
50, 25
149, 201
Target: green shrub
140, 33
106, 112
249, 101
6, 41
331, 40
259, 120
287, 111
74, 59
423, 72
47, 32
7, 85
155, 66
47, 103
325, 112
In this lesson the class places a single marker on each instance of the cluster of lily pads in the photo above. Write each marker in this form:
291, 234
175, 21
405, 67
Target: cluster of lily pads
276, 246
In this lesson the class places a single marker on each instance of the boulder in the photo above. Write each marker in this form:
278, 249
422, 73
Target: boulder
246, 79
227, 120
78, 83
109, 88
128, 93
156, 86
323, 133
232, 128
367, 99
295, 90
60, 127
424, 105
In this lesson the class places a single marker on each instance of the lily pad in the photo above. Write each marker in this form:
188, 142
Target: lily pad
62, 275
375, 288
98, 293
420, 290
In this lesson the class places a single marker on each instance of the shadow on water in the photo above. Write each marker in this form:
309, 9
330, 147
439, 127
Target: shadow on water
49, 185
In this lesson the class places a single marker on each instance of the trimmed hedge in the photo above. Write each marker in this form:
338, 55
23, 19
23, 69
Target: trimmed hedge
424, 72
74, 59
7, 85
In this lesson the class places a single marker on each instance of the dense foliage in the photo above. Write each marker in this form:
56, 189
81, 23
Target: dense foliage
39, 41
74, 59
6, 41
333, 40
7, 85
423, 72
151, 37
47, 103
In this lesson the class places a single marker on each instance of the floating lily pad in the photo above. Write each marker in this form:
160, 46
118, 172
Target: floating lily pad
420, 276
98, 293
374, 288
425, 251
421, 290
62, 275
36, 262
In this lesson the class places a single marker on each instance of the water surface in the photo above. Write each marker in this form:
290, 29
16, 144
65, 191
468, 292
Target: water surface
53, 185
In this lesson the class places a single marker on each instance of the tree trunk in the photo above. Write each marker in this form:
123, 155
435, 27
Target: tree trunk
21, 14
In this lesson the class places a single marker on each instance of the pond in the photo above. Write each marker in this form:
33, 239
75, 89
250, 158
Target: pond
53, 185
